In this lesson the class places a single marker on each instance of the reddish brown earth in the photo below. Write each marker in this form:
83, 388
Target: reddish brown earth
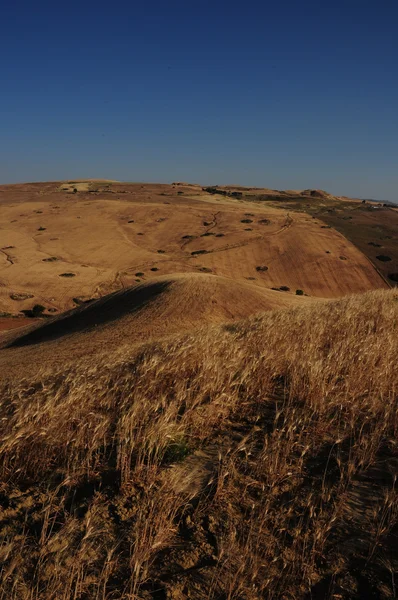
60, 248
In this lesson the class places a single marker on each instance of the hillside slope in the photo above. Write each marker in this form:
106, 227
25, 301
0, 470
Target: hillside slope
58, 248
163, 306
251, 460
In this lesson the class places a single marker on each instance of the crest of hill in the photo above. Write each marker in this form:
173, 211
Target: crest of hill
160, 307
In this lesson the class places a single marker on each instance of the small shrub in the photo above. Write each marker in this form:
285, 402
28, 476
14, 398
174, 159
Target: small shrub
154, 269
131, 221
196, 252
248, 229
41, 229
384, 258
246, 221
262, 269
139, 274
220, 234
38, 309
50, 259
284, 288
21, 296
205, 270
175, 451
299, 293
35, 312
161, 251
68, 275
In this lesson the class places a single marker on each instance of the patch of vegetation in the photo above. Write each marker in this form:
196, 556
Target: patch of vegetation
284, 288
205, 270
262, 269
220, 234
41, 229
161, 251
188, 237
20, 296
297, 462
68, 275
383, 258
196, 252
139, 274
299, 293
207, 234
215, 190
264, 222
248, 229
246, 220
342, 257
175, 451
154, 269
35, 312
130, 221
50, 259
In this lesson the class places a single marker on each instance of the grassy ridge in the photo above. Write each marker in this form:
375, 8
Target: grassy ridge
245, 461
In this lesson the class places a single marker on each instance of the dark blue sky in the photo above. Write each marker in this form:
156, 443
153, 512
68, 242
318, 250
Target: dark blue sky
292, 94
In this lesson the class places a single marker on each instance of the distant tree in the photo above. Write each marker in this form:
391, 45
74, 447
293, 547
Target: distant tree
37, 310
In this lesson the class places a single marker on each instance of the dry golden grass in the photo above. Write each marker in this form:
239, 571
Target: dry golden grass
247, 461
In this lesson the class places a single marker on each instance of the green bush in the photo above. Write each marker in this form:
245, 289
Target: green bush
299, 293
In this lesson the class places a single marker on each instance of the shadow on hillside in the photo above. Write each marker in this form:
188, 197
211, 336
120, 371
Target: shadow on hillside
102, 311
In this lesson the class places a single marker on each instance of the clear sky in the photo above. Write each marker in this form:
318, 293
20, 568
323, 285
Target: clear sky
289, 94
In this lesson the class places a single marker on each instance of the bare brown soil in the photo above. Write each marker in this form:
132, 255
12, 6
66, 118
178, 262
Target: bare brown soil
106, 233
